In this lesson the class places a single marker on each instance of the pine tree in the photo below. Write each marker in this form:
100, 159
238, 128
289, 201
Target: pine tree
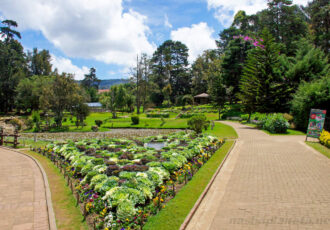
261, 85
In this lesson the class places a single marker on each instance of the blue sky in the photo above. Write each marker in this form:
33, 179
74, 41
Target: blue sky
108, 34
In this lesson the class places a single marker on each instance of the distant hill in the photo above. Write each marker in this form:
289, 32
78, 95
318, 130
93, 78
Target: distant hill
105, 84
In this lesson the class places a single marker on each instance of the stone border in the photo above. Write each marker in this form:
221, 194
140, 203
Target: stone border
200, 199
51, 214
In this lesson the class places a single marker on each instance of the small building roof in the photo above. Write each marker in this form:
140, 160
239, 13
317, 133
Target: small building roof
202, 95
94, 104
103, 90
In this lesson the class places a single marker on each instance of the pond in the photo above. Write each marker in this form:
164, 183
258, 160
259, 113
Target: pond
155, 145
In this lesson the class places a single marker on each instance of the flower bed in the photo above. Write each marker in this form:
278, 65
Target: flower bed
120, 182
325, 138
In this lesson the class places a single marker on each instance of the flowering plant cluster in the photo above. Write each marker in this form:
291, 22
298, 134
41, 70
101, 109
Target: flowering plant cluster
121, 182
325, 138
254, 42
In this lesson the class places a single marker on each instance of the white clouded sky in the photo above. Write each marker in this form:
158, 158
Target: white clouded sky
65, 65
110, 33
198, 38
97, 29
225, 10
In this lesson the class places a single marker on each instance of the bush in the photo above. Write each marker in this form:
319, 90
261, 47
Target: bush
311, 95
325, 138
245, 117
135, 120
197, 123
98, 123
275, 123
95, 128
153, 115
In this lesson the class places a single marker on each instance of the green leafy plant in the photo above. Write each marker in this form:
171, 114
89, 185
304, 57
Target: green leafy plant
98, 123
275, 123
198, 123
135, 120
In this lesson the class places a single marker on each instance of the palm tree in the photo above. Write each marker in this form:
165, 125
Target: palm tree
6, 31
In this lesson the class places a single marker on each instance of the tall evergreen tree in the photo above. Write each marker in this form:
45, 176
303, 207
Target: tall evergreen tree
319, 12
262, 86
13, 66
39, 62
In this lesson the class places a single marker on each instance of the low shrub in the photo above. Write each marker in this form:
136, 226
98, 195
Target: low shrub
245, 117
275, 123
155, 115
98, 123
135, 120
198, 123
95, 128
325, 138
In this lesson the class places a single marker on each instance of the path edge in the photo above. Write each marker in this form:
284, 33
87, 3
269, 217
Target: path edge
50, 210
202, 196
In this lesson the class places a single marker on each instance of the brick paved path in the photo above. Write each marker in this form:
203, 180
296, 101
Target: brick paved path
22, 193
268, 182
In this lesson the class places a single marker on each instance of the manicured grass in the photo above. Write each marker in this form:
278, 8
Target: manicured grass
67, 215
176, 210
147, 123
319, 147
223, 131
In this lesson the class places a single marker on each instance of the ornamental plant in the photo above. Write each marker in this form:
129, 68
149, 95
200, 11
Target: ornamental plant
121, 192
198, 123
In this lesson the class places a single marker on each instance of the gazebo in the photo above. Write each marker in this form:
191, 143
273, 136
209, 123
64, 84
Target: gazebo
202, 98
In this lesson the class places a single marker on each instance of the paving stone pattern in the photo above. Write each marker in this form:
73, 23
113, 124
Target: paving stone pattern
22, 193
268, 182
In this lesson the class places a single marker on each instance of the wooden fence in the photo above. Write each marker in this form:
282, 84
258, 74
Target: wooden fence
14, 142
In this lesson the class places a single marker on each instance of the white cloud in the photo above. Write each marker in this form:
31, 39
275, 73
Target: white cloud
198, 38
167, 22
97, 29
65, 65
225, 10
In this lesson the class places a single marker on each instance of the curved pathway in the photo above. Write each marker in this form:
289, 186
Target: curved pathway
23, 203
267, 182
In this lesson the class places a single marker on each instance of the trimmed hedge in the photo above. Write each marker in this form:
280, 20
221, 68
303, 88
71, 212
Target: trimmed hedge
158, 115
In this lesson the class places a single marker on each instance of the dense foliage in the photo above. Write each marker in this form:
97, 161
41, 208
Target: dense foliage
313, 95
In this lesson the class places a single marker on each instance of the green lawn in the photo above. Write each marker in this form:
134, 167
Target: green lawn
319, 147
223, 131
68, 216
124, 121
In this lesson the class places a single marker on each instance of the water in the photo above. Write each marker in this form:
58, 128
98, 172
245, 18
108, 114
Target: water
155, 145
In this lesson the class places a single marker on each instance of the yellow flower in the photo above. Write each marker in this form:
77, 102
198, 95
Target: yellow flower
127, 219
161, 200
106, 229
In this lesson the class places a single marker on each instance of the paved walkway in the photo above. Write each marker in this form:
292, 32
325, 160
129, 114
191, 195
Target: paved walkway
22, 193
268, 182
